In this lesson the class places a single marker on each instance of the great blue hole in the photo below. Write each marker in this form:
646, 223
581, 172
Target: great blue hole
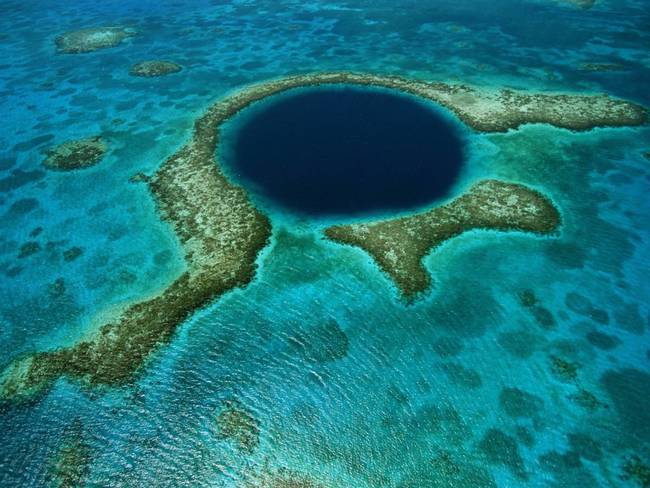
345, 151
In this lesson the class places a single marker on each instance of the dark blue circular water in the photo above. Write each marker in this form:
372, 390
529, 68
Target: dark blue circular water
347, 151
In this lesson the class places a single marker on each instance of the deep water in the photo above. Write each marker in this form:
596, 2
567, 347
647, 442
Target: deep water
526, 365
346, 151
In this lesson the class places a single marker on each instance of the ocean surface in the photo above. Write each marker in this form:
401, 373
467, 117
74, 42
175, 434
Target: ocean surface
345, 152
350, 386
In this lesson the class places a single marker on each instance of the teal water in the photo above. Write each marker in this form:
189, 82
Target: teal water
350, 385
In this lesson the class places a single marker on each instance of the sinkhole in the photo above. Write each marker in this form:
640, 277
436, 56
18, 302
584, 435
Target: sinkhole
345, 151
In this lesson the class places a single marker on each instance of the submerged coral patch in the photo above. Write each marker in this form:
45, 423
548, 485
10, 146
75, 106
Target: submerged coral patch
221, 232
586, 399
581, 305
447, 469
71, 464
72, 253
29, 248
601, 67
585, 446
603, 341
520, 343
321, 343
542, 315
563, 369
237, 424
447, 346
18, 178
583, 4
500, 448
88, 40
635, 470
462, 376
155, 67
629, 390
518, 403
76, 154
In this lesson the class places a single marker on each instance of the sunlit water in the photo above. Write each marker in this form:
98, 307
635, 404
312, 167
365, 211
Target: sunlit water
458, 385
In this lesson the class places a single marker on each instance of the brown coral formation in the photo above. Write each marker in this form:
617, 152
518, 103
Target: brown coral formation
398, 245
221, 232
637, 471
563, 369
29, 248
76, 154
155, 67
71, 464
482, 109
88, 40
601, 67
237, 424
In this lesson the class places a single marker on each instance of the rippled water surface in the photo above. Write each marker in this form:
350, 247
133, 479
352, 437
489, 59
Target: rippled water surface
526, 364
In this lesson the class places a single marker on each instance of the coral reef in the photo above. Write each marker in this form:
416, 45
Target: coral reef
76, 154
584, 4
634, 469
237, 424
629, 390
521, 342
398, 245
28, 248
139, 177
602, 67
585, 446
71, 465
567, 372
447, 346
221, 232
582, 305
486, 110
57, 288
501, 449
585, 399
563, 369
154, 67
448, 469
72, 253
518, 403
322, 343
461, 376
541, 314
527, 298
88, 40
444, 422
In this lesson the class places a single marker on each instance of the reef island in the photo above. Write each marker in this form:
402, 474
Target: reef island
154, 68
222, 233
76, 154
93, 39
398, 245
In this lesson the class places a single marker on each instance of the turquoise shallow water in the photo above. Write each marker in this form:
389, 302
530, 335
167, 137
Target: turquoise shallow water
350, 386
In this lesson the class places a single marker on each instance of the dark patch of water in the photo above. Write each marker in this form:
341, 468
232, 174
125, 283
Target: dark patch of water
347, 151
